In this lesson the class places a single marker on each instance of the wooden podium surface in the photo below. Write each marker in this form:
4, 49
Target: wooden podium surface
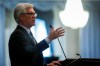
81, 62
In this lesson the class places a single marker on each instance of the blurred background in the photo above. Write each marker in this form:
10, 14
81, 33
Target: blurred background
79, 18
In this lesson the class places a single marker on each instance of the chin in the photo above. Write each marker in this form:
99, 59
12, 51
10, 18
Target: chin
33, 25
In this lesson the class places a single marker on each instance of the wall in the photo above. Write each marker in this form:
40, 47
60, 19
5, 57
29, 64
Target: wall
70, 41
2, 41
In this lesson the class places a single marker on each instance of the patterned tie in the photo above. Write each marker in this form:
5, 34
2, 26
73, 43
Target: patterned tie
32, 37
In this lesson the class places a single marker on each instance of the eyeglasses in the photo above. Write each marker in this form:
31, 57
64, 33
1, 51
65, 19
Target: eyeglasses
31, 14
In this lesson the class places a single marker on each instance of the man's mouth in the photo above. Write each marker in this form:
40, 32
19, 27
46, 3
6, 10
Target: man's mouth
33, 20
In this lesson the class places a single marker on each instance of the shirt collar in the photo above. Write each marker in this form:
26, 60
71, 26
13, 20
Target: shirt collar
28, 30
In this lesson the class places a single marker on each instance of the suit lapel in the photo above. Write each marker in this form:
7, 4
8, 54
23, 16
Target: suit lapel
26, 33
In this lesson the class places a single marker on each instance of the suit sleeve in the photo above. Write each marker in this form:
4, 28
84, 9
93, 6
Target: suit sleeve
23, 44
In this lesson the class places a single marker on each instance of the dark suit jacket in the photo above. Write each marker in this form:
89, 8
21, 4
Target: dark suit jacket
23, 51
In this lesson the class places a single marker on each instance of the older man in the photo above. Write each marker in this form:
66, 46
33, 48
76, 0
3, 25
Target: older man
23, 48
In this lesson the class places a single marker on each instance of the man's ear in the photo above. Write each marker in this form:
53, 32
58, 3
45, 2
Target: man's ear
20, 17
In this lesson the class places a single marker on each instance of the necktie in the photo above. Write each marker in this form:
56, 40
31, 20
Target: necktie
32, 37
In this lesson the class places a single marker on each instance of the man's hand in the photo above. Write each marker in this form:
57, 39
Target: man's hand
54, 63
56, 33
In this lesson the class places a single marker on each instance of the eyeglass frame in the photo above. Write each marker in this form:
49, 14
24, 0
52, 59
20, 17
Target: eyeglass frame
32, 14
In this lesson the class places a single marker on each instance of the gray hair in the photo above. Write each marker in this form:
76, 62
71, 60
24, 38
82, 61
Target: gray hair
21, 8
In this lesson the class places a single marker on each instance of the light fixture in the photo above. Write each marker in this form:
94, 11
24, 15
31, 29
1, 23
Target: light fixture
73, 15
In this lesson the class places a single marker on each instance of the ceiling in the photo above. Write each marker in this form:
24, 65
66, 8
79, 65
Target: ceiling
87, 4
91, 4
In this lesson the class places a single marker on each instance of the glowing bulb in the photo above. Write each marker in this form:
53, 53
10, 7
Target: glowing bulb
74, 16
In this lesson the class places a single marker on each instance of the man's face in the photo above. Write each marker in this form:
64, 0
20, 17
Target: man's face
28, 18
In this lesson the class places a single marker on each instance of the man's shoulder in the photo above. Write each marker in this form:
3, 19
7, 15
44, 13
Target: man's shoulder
16, 33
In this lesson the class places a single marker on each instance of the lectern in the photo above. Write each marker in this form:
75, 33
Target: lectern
81, 62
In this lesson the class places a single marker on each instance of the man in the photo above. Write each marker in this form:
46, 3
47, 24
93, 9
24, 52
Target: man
23, 48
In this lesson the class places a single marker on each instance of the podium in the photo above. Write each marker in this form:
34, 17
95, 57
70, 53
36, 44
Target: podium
81, 62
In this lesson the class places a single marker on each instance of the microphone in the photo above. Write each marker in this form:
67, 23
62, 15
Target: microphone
78, 55
60, 44
51, 26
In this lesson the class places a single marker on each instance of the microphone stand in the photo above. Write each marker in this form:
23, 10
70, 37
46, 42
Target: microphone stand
74, 60
59, 43
61, 48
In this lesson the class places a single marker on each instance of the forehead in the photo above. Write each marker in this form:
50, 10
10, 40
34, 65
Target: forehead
30, 10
